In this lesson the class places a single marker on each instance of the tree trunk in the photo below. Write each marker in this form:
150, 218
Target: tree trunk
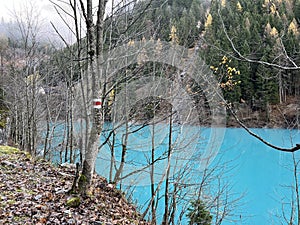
166, 213
86, 177
94, 50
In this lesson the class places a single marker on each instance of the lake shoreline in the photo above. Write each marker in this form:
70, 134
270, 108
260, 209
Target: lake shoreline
277, 116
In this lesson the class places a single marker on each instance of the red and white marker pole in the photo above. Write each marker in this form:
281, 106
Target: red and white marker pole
97, 103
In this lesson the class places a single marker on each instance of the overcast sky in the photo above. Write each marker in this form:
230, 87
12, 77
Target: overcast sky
45, 9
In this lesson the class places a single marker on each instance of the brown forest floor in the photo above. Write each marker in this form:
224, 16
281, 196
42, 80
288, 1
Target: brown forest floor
32, 191
283, 115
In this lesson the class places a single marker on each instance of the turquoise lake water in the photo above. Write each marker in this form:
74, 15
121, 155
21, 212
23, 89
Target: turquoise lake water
263, 176
262, 172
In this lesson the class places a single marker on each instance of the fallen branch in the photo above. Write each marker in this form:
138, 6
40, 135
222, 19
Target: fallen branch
6, 163
294, 149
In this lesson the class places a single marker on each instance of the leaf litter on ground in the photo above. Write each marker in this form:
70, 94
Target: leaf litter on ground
33, 191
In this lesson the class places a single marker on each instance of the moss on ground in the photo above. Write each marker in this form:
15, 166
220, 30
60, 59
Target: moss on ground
9, 150
13, 152
73, 202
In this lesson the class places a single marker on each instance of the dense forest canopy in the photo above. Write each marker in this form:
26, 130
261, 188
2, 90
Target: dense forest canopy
260, 30
222, 31
263, 30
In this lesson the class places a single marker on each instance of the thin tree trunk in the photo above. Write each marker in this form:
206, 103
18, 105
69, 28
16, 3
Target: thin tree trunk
166, 214
112, 157
153, 193
296, 188
94, 53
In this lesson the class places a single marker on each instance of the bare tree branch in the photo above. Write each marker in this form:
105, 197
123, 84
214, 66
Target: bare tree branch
294, 149
242, 57
59, 34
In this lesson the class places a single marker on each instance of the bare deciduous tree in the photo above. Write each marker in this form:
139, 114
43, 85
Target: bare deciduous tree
23, 83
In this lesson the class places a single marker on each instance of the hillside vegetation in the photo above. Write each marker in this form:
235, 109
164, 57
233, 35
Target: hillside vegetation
252, 48
266, 33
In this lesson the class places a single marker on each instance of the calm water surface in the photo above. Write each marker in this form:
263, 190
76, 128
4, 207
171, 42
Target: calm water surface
261, 173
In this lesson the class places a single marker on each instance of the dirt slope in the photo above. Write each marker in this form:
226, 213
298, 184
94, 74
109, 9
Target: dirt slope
33, 191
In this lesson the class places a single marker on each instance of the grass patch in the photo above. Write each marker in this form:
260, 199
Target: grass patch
13, 152
5, 150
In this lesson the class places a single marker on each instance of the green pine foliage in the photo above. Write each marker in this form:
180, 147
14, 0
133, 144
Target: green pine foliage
198, 214
261, 30
154, 19
256, 28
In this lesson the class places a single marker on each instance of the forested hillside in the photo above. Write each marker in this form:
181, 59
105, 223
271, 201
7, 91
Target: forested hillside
141, 95
265, 33
252, 47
